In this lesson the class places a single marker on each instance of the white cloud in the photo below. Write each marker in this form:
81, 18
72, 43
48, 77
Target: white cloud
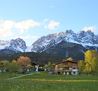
26, 25
29, 39
8, 27
90, 28
53, 25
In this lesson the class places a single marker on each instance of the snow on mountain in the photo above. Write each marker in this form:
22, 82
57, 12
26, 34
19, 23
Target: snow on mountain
85, 38
43, 42
15, 45
4, 44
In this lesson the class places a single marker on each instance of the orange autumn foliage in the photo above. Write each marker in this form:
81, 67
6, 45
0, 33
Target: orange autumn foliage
24, 60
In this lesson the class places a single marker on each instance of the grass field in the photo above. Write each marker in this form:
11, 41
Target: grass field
46, 82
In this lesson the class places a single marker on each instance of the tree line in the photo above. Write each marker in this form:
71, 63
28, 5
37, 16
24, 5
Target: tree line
24, 63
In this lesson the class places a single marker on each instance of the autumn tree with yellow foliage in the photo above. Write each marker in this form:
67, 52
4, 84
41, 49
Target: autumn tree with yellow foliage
81, 65
91, 61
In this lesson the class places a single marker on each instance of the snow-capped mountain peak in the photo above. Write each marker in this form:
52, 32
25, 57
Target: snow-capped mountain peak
85, 38
14, 44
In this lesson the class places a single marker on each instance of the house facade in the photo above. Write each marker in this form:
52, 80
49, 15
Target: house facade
67, 67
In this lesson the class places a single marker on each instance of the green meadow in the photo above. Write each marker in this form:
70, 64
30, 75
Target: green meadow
47, 82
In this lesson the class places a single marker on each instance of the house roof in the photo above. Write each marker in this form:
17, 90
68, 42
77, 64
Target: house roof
68, 60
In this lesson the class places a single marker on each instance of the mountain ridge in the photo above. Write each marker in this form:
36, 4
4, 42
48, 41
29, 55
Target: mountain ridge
17, 44
85, 38
53, 47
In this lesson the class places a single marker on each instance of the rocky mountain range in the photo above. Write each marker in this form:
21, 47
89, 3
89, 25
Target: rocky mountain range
15, 45
86, 39
61, 44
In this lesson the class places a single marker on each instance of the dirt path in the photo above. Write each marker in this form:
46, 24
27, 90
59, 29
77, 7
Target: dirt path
19, 76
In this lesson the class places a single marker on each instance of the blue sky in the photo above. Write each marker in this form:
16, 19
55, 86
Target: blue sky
31, 19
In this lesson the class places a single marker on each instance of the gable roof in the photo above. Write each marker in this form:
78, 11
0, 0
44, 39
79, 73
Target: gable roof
68, 60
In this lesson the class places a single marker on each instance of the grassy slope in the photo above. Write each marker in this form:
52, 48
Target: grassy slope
8, 75
28, 83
